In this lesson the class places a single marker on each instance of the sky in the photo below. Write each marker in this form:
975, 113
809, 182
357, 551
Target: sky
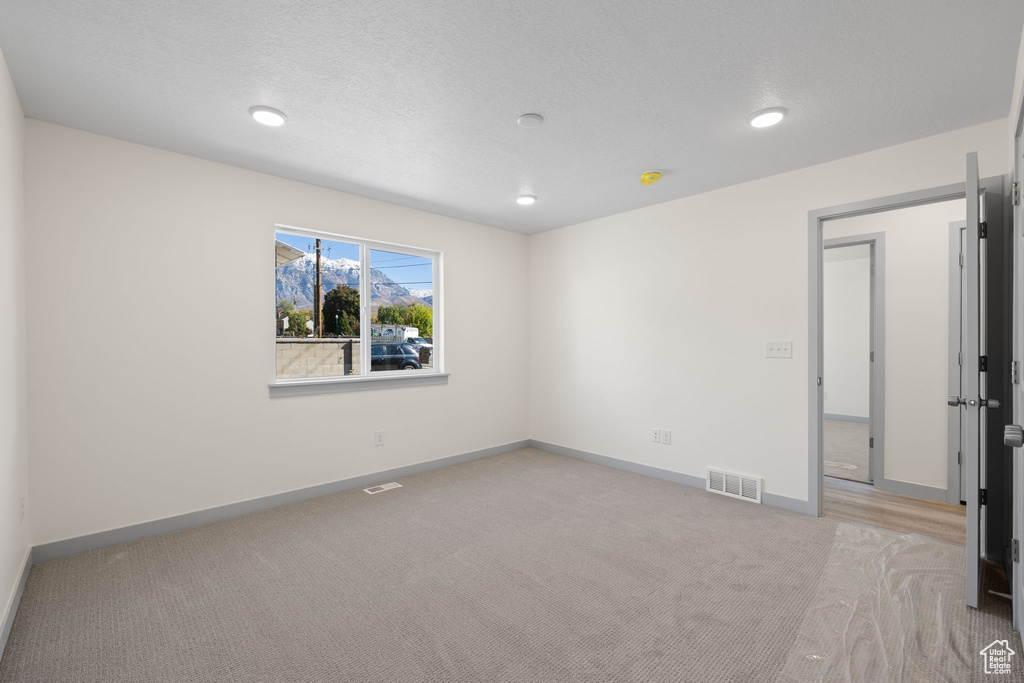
412, 272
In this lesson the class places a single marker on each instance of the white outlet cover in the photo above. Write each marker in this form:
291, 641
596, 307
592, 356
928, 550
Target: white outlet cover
656, 435
666, 436
778, 349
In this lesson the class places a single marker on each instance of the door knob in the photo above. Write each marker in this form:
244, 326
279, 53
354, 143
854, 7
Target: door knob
1013, 436
956, 401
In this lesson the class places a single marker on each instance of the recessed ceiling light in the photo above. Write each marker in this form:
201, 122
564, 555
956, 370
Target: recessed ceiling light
530, 120
766, 117
525, 199
268, 116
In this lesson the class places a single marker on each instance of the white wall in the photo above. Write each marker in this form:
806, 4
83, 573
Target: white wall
14, 536
135, 243
846, 275
916, 335
705, 281
1017, 100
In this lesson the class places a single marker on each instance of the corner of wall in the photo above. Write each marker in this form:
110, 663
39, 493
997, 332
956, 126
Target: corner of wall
14, 520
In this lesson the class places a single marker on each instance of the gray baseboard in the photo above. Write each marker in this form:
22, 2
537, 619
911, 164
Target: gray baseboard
787, 503
8, 622
905, 488
608, 461
846, 418
772, 499
103, 539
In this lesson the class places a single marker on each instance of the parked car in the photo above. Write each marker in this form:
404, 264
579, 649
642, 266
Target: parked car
424, 348
419, 341
394, 357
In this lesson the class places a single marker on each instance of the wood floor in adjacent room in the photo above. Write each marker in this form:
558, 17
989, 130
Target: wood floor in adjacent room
851, 501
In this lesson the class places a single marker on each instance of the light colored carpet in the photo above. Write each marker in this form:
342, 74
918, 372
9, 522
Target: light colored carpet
525, 566
846, 450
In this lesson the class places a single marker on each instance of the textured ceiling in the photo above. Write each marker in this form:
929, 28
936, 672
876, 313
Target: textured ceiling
416, 102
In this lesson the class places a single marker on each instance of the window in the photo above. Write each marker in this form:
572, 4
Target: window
348, 309
402, 305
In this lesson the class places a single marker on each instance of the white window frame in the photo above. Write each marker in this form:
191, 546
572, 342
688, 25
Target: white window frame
367, 379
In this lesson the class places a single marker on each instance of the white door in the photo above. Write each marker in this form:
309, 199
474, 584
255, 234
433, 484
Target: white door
974, 399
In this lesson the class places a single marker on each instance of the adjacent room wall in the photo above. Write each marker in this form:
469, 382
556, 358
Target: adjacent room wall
151, 302
687, 293
916, 335
847, 329
14, 530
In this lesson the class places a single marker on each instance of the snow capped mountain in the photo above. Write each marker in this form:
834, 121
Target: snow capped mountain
425, 295
295, 281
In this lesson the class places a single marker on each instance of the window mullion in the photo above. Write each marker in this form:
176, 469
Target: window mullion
437, 314
364, 310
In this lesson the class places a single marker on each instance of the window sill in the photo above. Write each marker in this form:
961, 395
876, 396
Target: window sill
337, 385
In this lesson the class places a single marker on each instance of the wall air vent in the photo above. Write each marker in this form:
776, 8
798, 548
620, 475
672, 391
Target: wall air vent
383, 487
734, 485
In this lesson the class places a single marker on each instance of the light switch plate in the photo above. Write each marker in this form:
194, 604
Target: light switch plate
778, 349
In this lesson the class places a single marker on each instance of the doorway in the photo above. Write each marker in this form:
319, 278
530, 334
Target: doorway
854, 337
886, 348
923, 453
909, 385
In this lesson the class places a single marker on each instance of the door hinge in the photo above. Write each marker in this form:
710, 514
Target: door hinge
983, 364
961, 260
872, 356
1015, 372
983, 496
871, 442
983, 230
1016, 194
1016, 550
819, 381
960, 358
959, 458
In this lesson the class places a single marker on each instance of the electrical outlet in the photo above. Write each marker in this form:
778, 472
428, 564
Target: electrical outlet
666, 436
778, 349
378, 438
656, 435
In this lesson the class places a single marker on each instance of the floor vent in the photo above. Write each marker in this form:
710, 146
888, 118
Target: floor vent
735, 485
383, 487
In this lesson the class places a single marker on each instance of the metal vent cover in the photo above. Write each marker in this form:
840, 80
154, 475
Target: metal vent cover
383, 487
734, 485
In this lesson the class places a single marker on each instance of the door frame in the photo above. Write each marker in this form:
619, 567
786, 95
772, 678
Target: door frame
815, 332
1017, 221
876, 366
